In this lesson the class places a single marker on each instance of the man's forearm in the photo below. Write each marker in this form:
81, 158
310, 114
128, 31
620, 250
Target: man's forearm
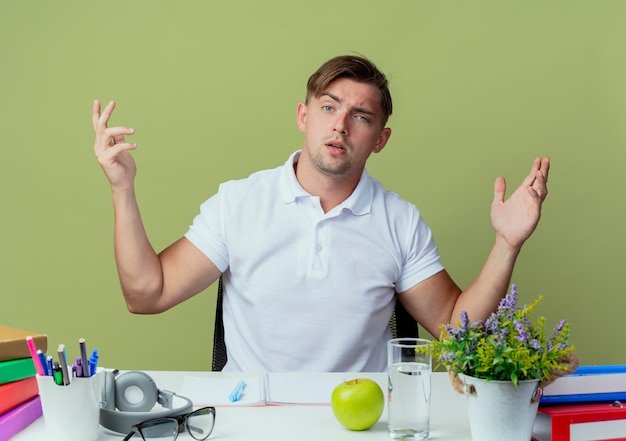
482, 297
138, 265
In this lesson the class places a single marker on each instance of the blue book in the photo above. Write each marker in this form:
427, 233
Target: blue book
588, 384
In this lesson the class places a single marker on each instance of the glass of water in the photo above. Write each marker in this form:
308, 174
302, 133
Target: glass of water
410, 369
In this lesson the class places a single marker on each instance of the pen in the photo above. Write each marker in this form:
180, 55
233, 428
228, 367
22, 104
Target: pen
235, 395
33, 353
42, 361
83, 357
93, 362
63, 363
50, 365
77, 367
57, 374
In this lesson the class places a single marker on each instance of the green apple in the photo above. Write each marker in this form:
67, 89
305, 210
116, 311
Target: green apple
358, 404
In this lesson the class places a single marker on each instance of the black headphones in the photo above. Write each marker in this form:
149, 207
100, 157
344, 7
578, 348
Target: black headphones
134, 394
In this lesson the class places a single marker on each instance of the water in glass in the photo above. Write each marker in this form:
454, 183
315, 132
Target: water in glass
409, 400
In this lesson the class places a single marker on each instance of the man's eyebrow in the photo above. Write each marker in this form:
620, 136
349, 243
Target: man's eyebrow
354, 109
331, 95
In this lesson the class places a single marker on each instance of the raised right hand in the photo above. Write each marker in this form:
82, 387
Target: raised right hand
111, 148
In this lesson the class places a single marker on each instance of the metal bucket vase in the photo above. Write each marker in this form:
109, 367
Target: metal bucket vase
499, 411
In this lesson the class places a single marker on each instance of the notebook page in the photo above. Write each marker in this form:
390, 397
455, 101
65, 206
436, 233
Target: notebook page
293, 388
211, 391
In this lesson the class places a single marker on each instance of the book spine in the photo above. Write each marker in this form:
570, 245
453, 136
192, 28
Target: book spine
13, 343
14, 370
17, 392
17, 419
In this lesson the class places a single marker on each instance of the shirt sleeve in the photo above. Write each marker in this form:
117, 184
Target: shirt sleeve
422, 257
207, 232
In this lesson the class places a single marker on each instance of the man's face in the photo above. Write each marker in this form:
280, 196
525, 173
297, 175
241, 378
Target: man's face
342, 128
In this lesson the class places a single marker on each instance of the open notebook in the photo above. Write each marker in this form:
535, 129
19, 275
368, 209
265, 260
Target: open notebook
265, 389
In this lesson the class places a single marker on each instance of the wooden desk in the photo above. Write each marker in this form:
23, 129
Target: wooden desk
449, 419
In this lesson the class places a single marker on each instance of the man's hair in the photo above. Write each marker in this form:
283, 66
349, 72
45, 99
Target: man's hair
354, 68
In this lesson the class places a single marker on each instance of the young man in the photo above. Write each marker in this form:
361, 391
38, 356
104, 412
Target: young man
315, 252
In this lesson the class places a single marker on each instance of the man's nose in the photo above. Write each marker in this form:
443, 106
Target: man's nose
341, 124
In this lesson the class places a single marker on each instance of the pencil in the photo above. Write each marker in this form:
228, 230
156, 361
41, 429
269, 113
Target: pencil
33, 353
63, 363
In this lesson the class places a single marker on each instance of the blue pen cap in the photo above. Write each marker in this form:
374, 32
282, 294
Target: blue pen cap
93, 362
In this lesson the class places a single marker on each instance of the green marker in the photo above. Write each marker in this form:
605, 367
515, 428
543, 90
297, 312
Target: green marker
57, 373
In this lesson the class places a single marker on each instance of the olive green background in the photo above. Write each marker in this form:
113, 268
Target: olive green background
480, 88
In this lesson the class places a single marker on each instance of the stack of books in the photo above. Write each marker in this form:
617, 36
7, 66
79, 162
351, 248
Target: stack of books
587, 405
19, 395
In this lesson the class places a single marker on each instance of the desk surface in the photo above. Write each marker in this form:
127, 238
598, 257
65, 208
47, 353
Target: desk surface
449, 419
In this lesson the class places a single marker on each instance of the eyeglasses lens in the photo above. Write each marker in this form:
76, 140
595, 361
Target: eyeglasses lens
200, 423
159, 427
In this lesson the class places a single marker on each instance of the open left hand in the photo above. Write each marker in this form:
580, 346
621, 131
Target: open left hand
516, 218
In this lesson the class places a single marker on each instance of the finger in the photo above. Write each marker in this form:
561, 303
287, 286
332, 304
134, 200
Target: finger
101, 120
540, 186
542, 165
109, 137
538, 194
95, 114
106, 114
119, 132
532, 176
499, 190
116, 149
535, 168
110, 155
545, 167
114, 136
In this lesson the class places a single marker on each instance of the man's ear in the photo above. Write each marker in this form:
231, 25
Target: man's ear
301, 116
384, 136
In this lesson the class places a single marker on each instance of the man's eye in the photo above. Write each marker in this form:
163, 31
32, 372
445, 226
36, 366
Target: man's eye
363, 118
327, 108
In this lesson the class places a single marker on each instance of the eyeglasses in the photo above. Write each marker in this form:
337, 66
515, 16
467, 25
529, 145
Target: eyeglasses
198, 423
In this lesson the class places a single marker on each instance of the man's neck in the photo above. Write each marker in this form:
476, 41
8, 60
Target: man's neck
331, 191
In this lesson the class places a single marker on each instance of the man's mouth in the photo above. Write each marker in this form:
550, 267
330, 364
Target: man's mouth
336, 146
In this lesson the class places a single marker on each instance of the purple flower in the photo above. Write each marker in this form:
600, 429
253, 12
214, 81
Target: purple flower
478, 327
559, 328
446, 357
492, 324
464, 320
521, 330
508, 304
499, 336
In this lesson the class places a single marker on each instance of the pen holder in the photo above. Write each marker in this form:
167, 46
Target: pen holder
72, 412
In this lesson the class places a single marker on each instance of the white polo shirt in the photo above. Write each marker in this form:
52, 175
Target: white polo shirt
306, 290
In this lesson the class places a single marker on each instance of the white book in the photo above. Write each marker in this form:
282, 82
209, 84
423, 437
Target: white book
587, 384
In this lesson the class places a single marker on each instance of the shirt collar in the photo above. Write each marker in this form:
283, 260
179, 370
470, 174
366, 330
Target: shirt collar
359, 202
